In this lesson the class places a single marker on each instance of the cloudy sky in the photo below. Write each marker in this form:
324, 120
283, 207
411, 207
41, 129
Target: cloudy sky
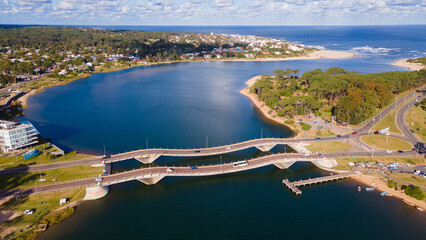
213, 12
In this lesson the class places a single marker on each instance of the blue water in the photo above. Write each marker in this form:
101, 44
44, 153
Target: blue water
199, 104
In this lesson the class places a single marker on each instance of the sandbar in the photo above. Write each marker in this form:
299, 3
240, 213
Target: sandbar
409, 65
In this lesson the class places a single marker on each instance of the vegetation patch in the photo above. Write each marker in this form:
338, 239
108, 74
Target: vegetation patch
328, 146
42, 178
392, 143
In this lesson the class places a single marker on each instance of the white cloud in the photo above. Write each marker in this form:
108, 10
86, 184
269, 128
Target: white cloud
229, 12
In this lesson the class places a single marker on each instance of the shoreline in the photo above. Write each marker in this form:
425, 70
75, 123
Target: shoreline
319, 54
262, 107
382, 186
409, 65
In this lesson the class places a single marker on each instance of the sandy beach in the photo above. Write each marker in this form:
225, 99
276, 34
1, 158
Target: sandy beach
411, 66
382, 187
24, 98
320, 54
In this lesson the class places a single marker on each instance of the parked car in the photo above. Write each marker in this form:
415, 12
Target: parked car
414, 149
339, 135
28, 212
315, 122
354, 133
306, 154
400, 151
321, 155
376, 132
98, 179
388, 151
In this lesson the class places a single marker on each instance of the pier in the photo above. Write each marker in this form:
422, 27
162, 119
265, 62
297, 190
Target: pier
293, 186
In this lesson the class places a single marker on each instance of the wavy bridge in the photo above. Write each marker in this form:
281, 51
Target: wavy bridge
263, 144
153, 175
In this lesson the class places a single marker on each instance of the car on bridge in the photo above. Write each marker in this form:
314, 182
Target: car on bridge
193, 167
339, 135
376, 132
227, 148
197, 151
98, 179
169, 169
400, 151
317, 138
354, 133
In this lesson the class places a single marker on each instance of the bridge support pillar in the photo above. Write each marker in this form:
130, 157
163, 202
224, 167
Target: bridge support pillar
147, 159
151, 181
266, 147
284, 165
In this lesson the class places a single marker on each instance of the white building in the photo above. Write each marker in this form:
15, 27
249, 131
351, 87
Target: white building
16, 135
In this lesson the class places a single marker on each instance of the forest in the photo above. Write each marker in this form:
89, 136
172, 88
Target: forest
349, 96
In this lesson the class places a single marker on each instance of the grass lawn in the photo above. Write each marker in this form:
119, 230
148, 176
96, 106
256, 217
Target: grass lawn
329, 146
416, 119
388, 122
411, 178
14, 161
26, 180
43, 205
379, 141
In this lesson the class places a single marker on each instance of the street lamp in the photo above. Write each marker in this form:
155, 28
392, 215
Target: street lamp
221, 164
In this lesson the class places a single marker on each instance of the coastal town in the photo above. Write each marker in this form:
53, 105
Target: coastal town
367, 127
20, 63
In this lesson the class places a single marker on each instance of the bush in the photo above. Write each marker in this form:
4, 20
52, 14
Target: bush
305, 126
415, 192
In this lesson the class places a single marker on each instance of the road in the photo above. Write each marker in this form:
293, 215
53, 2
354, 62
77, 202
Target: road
161, 172
400, 119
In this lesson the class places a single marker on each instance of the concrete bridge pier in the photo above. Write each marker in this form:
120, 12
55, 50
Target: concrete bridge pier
284, 164
147, 159
151, 181
265, 147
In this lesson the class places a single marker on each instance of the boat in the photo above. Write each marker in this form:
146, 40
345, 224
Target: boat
388, 195
420, 209
408, 203
383, 193
369, 188
359, 188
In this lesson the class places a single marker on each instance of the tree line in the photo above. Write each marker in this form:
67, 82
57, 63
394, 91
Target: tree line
349, 96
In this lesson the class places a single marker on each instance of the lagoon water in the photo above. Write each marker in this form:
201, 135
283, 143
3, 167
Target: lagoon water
197, 104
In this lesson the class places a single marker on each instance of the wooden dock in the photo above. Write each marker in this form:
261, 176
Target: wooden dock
293, 186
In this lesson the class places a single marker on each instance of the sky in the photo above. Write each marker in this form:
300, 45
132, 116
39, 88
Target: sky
213, 12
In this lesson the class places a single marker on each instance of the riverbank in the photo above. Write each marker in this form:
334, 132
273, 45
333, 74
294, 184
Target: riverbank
265, 110
320, 54
380, 185
409, 65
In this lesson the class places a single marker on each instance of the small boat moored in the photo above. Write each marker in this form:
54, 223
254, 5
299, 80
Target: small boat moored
420, 209
388, 195
408, 203
383, 193
369, 188
359, 188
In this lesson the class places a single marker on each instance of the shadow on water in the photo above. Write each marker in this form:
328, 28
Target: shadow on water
66, 132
